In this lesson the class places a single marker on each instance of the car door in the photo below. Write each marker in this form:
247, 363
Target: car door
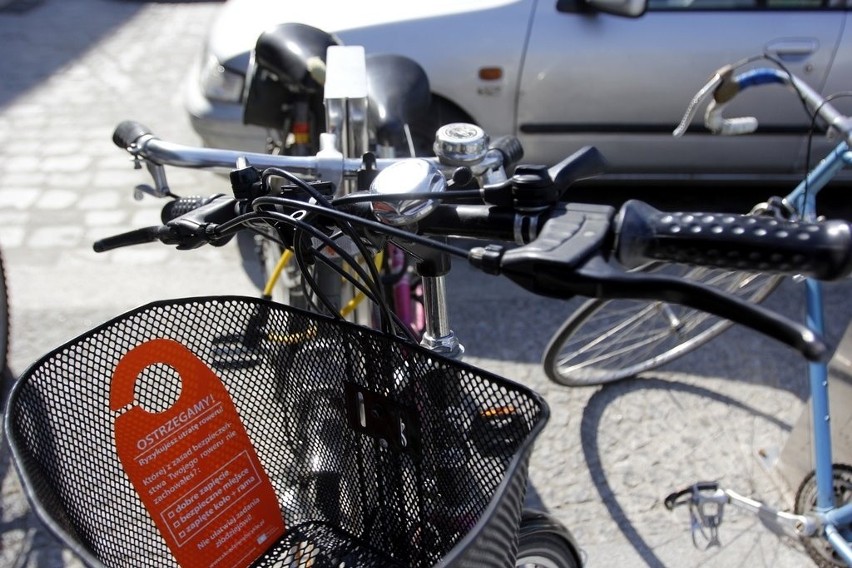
624, 84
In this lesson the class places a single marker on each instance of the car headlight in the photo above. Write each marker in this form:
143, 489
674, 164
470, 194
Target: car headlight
220, 84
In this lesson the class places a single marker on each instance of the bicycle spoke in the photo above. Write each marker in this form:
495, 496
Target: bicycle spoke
610, 340
622, 339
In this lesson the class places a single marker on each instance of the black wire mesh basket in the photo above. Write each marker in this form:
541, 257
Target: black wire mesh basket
380, 453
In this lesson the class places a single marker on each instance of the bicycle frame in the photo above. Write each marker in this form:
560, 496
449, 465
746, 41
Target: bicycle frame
803, 199
835, 522
819, 517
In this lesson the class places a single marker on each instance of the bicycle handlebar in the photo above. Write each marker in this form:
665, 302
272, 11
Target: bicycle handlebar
566, 249
724, 86
328, 164
734, 242
570, 257
568, 234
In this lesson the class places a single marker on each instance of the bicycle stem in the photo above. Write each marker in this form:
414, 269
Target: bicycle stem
438, 336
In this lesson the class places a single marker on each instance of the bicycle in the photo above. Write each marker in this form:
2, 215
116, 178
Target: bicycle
822, 509
605, 341
303, 83
379, 451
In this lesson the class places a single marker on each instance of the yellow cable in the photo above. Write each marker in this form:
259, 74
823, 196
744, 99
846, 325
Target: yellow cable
276, 272
285, 258
359, 297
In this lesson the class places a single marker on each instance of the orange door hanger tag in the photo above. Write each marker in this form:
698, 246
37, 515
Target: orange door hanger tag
193, 464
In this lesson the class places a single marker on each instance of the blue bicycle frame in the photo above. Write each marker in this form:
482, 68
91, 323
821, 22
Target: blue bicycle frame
803, 199
835, 522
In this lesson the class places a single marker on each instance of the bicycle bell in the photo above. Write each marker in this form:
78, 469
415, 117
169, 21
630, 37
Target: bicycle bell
460, 144
414, 176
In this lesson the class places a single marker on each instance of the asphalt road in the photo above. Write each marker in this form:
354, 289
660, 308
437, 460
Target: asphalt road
73, 69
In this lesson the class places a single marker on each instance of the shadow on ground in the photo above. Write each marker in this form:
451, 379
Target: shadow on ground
33, 54
592, 423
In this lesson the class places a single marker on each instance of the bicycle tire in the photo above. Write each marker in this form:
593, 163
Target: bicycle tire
4, 321
817, 547
609, 340
545, 550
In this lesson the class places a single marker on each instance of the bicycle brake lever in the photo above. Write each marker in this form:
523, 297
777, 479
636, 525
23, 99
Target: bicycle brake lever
567, 259
186, 236
135, 237
189, 230
197, 226
715, 82
536, 188
607, 281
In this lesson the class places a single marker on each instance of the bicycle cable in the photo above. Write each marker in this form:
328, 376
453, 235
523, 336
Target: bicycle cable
364, 283
347, 229
367, 223
309, 230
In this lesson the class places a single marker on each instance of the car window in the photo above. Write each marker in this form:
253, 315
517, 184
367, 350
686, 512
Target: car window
671, 5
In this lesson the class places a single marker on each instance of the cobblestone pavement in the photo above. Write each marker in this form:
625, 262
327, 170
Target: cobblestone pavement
72, 69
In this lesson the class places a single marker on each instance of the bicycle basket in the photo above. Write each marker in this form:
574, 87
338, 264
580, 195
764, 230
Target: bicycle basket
380, 452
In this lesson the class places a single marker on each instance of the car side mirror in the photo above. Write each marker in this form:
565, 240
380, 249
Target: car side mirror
627, 8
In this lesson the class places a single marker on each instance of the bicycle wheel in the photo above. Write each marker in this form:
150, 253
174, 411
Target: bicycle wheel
545, 550
4, 321
608, 340
818, 547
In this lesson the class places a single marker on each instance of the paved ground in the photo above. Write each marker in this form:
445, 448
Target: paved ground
72, 69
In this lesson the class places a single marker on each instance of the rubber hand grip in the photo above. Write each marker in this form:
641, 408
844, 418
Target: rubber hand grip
174, 209
511, 149
128, 132
737, 242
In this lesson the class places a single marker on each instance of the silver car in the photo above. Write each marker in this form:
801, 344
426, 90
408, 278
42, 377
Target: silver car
560, 75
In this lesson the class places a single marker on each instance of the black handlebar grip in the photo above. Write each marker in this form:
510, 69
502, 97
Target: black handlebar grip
735, 242
128, 132
511, 148
176, 208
